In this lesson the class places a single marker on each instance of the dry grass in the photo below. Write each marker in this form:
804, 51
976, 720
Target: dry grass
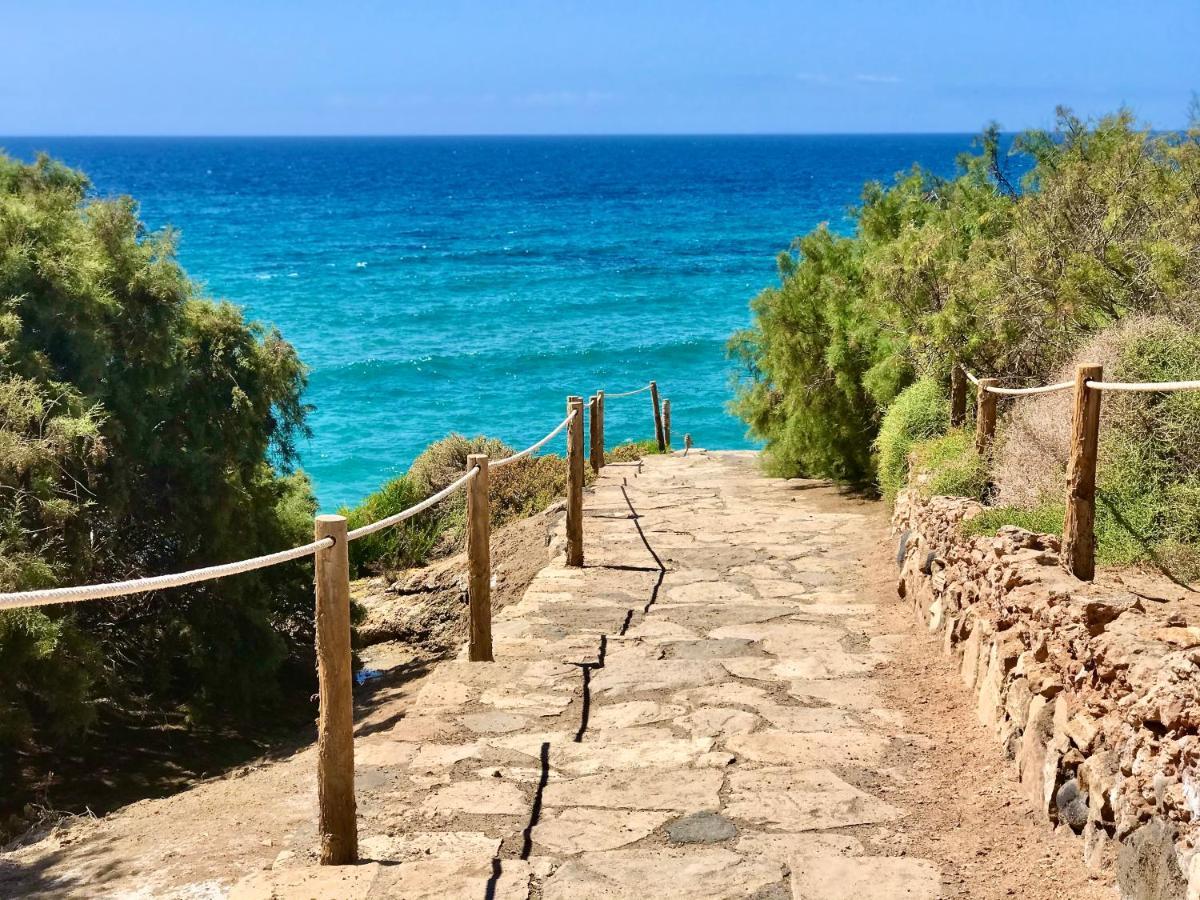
1029, 467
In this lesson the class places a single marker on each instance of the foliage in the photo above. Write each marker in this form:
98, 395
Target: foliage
1045, 519
1149, 468
143, 429
951, 466
518, 489
632, 451
920, 412
972, 269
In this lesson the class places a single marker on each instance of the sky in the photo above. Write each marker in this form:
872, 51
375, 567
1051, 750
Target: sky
314, 67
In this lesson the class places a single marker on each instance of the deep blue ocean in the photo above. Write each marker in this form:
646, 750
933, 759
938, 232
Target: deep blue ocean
470, 284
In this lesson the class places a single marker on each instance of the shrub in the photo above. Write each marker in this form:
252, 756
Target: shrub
1149, 460
1010, 276
408, 543
632, 451
518, 489
950, 465
919, 413
143, 429
1046, 519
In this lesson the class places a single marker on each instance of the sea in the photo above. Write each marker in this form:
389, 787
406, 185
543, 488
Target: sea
437, 285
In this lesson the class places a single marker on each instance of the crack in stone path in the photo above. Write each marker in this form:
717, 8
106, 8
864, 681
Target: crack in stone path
709, 725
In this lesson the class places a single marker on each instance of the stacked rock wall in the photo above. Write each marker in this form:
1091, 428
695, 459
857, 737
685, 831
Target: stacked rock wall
1092, 689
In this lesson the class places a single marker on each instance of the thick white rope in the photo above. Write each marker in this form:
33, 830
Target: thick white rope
1021, 392
971, 378
48, 596
535, 447
1152, 387
608, 396
412, 510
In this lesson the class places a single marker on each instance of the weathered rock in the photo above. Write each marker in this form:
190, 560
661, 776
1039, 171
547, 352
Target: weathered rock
1148, 865
701, 828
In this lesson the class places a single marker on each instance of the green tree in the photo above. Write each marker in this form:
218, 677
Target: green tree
143, 429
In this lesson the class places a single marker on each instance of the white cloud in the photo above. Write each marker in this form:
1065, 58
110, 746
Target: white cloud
877, 79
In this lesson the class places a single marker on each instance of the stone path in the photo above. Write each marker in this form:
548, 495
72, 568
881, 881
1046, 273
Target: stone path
692, 714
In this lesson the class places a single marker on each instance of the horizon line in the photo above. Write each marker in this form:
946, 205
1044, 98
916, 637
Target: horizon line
493, 135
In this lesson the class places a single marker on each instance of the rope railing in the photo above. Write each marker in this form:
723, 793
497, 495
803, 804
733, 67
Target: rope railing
49, 596
412, 510
626, 393
1024, 392
76, 594
1079, 540
533, 448
337, 822
1152, 387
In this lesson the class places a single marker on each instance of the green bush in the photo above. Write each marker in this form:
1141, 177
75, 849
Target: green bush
632, 451
518, 489
408, 543
920, 412
951, 464
143, 429
1010, 279
1047, 519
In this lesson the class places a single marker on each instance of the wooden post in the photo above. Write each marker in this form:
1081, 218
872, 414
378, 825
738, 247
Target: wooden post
594, 433
985, 414
600, 428
575, 483
667, 423
958, 396
658, 422
479, 560
337, 823
1079, 536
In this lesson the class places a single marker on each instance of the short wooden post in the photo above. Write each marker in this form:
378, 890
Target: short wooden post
575, 483
479, 560
667, 423
1079, 535
958, 396
658, 422
594, 433
337, 823
985, 414
600, 428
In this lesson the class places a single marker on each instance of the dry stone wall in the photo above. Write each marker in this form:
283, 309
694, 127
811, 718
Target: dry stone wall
1092, 689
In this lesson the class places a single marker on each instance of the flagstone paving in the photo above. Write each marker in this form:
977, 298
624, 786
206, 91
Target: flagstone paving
694, 714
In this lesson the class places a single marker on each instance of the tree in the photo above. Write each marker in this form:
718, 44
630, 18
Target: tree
143, 429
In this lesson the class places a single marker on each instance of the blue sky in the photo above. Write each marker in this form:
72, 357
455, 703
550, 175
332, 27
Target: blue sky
566, 67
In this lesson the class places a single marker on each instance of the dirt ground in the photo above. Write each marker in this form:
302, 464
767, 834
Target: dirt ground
971, 818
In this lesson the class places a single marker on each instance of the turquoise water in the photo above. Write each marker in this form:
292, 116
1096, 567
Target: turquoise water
470, 284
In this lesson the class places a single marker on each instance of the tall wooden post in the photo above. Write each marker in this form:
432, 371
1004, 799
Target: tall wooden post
985, 414
1079, 535
575, 483
667, 423
594, 433
337, 824
658, 423
600, 428
958, 396
479, 560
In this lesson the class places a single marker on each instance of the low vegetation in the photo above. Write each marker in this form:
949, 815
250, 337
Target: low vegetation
1064, 247
519, 489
